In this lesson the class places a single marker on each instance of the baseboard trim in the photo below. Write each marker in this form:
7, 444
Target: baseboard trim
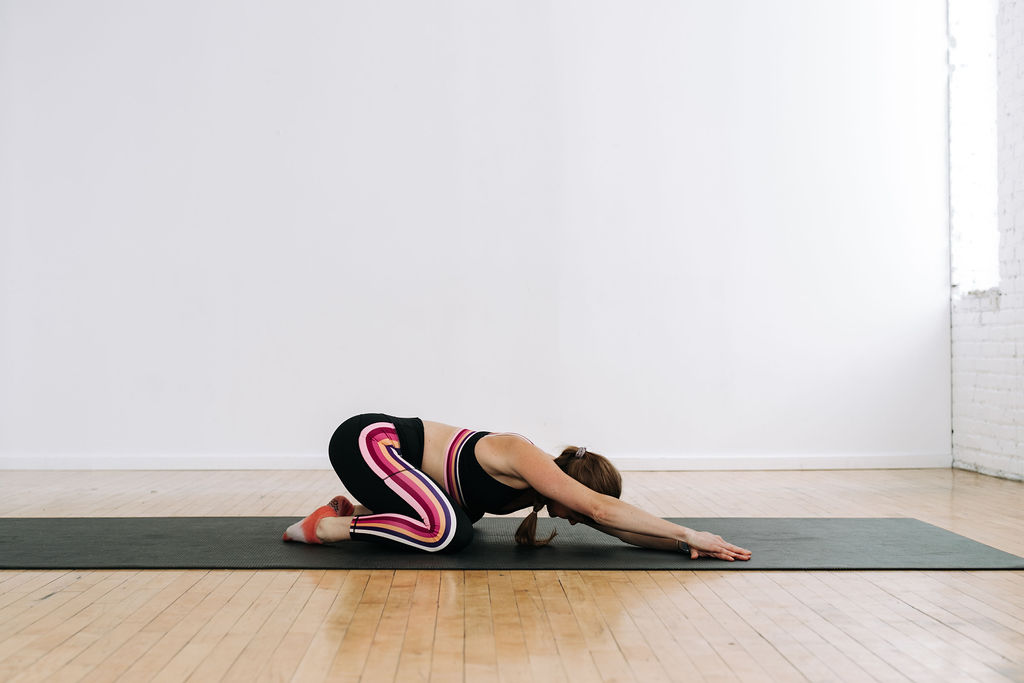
83, 461
843, 461
141, 461
990, 471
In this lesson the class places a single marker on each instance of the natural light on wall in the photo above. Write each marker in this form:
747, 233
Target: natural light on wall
973, 173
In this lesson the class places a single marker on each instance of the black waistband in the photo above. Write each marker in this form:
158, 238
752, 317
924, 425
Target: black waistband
410, 433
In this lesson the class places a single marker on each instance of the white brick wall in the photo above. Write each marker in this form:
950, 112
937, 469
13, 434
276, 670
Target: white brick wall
988, 328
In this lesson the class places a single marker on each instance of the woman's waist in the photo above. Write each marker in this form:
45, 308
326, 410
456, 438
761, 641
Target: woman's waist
436, 440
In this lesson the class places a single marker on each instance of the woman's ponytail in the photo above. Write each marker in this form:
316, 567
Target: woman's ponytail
526, 534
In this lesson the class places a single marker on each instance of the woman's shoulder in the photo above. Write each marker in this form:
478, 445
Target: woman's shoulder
497, 453
504, 446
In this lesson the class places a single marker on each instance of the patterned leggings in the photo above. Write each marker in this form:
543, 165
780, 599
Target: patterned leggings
378, 459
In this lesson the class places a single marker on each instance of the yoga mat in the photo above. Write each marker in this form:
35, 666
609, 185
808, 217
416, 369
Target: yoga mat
255, 543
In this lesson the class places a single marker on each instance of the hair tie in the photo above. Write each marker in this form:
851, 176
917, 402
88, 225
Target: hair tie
581, 451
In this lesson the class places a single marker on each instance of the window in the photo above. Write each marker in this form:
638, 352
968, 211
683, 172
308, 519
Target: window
973, 164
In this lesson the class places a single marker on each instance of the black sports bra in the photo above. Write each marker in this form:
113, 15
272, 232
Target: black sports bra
466, 481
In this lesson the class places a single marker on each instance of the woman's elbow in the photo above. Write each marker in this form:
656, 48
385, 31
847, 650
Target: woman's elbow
602, 512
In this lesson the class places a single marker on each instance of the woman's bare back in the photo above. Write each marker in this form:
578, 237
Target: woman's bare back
489, 453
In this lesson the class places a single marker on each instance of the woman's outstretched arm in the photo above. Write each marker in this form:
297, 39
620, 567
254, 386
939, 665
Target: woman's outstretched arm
612, 515
708, 546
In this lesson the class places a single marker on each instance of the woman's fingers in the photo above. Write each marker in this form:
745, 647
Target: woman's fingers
715, 546
736, 550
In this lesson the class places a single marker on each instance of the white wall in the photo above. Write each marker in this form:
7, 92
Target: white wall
988, 326
694, 231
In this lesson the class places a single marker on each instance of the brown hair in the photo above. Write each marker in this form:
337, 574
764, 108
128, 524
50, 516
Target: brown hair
590, 469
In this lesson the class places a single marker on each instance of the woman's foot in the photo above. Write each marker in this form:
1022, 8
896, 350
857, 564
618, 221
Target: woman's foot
305, 531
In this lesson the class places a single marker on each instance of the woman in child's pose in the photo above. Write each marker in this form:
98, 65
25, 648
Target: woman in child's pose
423, 484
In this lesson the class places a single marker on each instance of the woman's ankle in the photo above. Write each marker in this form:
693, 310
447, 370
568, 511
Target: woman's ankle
333, 529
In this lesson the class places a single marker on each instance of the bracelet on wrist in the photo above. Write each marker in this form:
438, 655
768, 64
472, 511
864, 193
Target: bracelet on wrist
682, 547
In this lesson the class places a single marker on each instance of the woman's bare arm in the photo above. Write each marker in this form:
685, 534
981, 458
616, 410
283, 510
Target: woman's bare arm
709, 543
654, 542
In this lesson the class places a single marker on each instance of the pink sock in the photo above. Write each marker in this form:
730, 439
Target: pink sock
305, 531
342, 506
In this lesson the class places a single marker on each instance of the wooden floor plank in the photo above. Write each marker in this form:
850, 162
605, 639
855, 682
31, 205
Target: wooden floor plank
216, 664
448, 656
481, 657
639, 654
862, 631
91, 644
354, 647
748, 626
609, 660
922, 651
389, 636
257, 653
324, 646
40, 637
724, 656
513, 658
415, 657
227, 603
669, 628
178, 624
542, 650
564, 626
21, 614
292, 647
29, 587
121, 647
957, 629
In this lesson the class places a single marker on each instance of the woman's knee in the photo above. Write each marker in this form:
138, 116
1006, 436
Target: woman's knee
347, 433
462, 536
344, 444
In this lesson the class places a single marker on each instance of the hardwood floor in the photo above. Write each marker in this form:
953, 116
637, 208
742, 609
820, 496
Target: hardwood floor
518, 626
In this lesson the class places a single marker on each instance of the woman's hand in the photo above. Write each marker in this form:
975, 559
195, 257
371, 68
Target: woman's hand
704, 544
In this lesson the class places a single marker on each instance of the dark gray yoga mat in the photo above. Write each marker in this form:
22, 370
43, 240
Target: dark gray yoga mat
255, 543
